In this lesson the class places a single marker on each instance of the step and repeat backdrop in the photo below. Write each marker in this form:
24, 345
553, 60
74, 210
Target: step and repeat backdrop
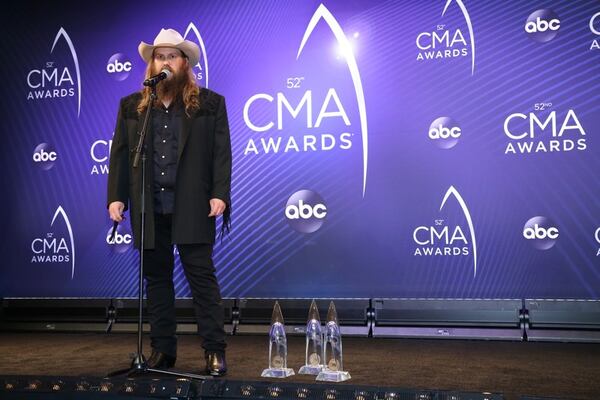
439, 148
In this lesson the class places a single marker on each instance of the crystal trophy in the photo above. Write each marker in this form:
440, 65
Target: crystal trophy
334, 367
314, 343
277, 347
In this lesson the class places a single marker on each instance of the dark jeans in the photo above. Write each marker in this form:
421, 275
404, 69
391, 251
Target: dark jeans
200, 273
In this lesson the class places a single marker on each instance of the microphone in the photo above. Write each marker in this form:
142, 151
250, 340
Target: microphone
153, 80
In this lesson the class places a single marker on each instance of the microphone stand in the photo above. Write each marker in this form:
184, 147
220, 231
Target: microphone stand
139, 364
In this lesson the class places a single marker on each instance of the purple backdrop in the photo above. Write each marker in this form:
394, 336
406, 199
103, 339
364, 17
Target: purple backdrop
438, 148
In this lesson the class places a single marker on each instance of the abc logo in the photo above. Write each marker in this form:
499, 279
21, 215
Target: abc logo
305, 211
118, 66
537, 232
445, 132
542, 25
121, 241
44, 156
441, 132
541, 232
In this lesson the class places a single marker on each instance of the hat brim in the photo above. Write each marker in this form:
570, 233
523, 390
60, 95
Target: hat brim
190, 49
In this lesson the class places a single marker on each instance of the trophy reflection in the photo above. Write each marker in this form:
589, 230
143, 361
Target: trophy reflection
314, 343
277, 347
334, 367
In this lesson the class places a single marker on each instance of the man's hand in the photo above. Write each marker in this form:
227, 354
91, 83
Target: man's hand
115, 211
217, 207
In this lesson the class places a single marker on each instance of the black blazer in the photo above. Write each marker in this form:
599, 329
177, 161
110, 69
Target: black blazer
203, 169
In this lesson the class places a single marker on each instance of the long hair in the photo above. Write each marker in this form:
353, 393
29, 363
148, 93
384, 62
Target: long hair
190, 93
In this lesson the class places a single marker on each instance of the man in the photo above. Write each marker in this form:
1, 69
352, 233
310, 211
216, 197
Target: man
188, 177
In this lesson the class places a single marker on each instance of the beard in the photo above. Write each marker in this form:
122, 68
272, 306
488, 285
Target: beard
172, 87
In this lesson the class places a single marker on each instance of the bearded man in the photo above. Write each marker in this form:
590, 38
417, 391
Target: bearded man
188, 179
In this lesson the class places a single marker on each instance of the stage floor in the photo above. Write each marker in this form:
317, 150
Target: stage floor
564, 370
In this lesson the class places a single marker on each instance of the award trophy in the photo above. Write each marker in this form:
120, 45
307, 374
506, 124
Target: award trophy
277, 347
334, 369
314, 343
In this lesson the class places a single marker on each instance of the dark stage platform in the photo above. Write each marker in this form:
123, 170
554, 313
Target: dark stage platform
559, 370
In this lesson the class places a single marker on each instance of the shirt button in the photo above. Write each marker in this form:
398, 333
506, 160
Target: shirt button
167, 111
162, 189
164, 141
162, 173
165, 126
162, 156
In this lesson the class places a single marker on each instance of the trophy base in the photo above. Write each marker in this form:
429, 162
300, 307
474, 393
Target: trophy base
311, 369
333, 376
277, 372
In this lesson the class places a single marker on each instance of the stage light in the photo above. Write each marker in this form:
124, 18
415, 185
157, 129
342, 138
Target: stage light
179, 388
34, 385
390, 396
247, 390
156, 386
82, 386
106, 386
330, 394
361, 395
57, 385
275, 391
52, 386
302, 392
423, 396
129, 386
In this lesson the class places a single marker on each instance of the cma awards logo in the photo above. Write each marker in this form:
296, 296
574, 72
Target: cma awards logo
445, 42
44, 156
446, 240
331, 107
122, 240
541, 232
445, 132
100, 153
54, 248
118, 67
595, 29
597, 237
542, 25
55, 80
305, 211
200, 69
544, 131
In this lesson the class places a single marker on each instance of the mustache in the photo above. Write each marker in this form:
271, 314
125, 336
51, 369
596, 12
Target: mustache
173, 86
156, 71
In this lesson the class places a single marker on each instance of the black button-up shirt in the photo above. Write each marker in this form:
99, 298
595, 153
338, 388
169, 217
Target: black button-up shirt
166, 124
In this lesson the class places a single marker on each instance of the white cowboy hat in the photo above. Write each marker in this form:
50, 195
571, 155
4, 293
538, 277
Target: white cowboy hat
171, 38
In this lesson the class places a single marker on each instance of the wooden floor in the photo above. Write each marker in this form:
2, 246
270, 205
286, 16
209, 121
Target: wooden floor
559, 370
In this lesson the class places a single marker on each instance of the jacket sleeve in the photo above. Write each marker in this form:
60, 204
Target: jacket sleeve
222, 165
118, 168
221, 178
